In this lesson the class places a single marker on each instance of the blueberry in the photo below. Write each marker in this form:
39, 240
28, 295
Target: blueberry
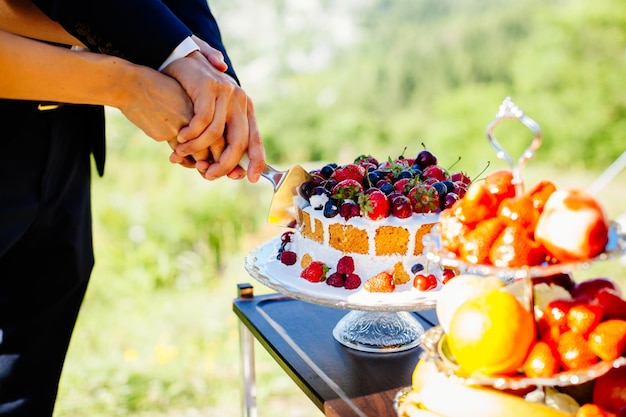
387, 188
449, 185
417, 268
407, 173
331, 208
327, 170
441, 188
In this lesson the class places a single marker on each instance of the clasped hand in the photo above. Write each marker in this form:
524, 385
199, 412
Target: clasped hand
223, 126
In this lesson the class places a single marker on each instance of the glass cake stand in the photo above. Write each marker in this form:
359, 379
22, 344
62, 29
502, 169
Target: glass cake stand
376, 322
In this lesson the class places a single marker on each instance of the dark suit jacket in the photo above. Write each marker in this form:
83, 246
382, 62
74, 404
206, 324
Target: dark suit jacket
142, 31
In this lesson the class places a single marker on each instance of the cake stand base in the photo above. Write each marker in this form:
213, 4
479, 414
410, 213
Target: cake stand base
378, 332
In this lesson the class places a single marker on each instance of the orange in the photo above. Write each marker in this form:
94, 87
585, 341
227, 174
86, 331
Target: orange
541, 361
491, 334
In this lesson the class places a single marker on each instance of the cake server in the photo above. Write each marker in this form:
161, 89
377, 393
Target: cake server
285, 183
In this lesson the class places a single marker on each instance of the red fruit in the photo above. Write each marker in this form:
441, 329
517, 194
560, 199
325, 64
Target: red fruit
347, 189
476, 205
425, 158
436, 172
352, 282
614, 306
423, 282
350, 171
451, 230
609, 391
424, 198
335, 280
460, 188
588, 289
447, 275
541, 361
349, 210
500, 184
562, 280
477, 243
593, 410
401, 207
345, 265
450, 199
366, 159
286, 237
288, 257
582, 318
574, 351
608, 339
403, 185
382, 282
374, 205
519, 212
555, 313
461, 177
315, 272
513, 248
540, 193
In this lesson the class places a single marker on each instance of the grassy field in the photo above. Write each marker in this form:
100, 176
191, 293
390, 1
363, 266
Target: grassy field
157, 336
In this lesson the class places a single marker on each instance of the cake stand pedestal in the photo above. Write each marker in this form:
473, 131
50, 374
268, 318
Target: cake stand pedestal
374, 331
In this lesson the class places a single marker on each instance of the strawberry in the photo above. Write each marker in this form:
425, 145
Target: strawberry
345, 265
374, 204
288, 257
514, 248
424, 198
541, 361
403, 185
382, 282
347, 189
608, 339
352, 282
335, 280
500, 184
477, 204
540, 192
436, 172
451, 230
574, 352
477, 242
519, 212
582, 318
315, 272
366, 159
349, 172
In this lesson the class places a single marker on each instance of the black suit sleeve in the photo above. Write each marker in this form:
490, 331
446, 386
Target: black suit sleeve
142, 31
198, 17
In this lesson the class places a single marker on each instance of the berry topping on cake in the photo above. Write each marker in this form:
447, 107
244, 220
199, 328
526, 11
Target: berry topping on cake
352, 282
288, 257
345, 265
374, 204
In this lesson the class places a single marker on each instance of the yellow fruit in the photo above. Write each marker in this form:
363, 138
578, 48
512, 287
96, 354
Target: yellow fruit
439, 396
459, 290
491, 334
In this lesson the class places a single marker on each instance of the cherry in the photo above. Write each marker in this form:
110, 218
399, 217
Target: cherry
448, 274
588, 289
425, 282
425, 158
401, 207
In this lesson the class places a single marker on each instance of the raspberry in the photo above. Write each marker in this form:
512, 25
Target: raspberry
352, 282
288, 257
335, 279
345, 265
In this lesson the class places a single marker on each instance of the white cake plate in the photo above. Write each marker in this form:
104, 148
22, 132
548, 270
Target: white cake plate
376, 322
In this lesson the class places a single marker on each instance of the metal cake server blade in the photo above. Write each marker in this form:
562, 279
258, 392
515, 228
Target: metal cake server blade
285, 183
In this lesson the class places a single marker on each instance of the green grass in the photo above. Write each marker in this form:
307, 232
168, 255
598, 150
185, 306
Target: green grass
157, 335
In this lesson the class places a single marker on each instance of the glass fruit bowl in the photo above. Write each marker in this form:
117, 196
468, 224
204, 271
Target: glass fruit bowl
615, 247
435, 347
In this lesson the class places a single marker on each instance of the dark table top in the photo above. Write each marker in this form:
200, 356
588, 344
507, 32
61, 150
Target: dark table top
298, 335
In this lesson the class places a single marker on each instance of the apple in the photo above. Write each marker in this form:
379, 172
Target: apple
572, 226
614, 305
609, 391
562, 280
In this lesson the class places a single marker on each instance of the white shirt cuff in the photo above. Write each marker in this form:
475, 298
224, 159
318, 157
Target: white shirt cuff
183, 49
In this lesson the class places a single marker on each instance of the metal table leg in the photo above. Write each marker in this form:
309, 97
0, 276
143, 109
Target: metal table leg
246, 341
